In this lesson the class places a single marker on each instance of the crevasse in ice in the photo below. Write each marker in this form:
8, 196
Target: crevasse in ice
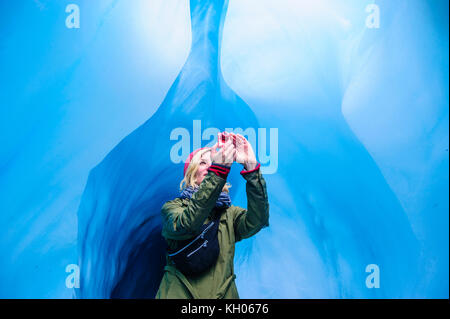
362, 156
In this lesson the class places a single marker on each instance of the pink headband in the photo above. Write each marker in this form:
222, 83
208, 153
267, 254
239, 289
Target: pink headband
188, 160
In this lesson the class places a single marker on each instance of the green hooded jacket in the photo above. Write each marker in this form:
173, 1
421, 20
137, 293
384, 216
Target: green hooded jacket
183, 218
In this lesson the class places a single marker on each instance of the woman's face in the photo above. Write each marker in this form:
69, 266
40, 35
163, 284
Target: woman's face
205, 163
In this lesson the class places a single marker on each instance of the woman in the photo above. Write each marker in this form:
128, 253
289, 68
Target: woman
203, 200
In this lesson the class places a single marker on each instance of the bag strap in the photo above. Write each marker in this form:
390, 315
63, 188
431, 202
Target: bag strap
215, 220
211, 224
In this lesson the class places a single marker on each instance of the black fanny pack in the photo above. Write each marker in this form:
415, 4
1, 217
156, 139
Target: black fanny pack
200, 253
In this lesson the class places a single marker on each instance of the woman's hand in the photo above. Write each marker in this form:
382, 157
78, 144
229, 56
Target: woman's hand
244, 153
226, 154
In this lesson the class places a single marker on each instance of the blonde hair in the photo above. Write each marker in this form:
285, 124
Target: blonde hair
189, 179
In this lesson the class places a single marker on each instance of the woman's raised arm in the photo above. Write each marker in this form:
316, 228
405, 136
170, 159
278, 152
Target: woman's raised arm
180, 222
183, 222
248, 222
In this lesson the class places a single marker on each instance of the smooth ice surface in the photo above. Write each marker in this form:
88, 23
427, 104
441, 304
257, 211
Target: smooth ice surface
362, 117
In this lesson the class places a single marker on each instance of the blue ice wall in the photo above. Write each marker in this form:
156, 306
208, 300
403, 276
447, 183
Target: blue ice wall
362, 119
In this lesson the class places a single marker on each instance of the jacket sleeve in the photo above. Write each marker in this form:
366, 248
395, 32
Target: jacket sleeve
248, 222
184, 222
